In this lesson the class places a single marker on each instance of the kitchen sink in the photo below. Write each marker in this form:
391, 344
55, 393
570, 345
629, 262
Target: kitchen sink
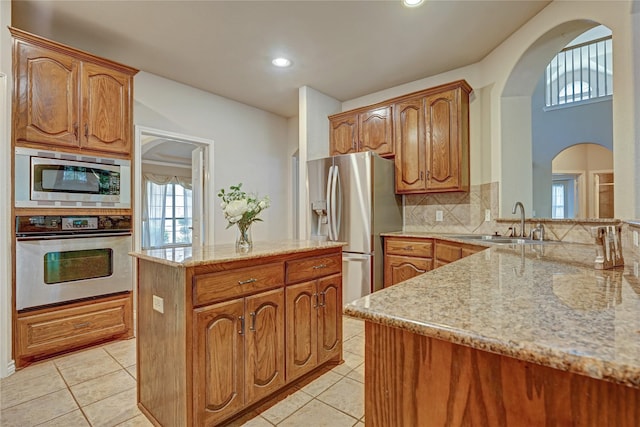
490, 238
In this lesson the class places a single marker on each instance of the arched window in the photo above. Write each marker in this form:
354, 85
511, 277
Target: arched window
582, 71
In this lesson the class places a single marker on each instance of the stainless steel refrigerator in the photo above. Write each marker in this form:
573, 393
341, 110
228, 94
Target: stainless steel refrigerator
352, 199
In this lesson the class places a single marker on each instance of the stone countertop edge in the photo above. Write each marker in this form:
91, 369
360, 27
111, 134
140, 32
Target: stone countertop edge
217, 254
591, 350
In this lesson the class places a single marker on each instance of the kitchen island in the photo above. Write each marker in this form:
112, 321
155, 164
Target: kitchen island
219, 331
515, 335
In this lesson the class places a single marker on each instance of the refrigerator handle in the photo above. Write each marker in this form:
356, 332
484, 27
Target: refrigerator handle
329, 218
336, 203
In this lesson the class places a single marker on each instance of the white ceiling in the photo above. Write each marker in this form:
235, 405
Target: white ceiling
344, 49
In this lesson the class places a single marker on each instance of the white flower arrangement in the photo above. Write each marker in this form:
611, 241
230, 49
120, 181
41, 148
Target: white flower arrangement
241, 208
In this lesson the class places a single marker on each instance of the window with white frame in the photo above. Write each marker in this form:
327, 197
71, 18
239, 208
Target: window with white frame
580, 72
167, 218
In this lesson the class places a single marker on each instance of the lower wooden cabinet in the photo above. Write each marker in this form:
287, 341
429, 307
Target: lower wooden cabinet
447, 252
239, 354
314, 325
407, 257
229, 334
50, 331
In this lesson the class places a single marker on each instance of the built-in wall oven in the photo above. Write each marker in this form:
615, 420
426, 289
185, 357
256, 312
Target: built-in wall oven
66, 258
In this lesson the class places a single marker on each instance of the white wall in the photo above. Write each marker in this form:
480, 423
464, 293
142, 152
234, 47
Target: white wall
313, 107
7, 366
250, 146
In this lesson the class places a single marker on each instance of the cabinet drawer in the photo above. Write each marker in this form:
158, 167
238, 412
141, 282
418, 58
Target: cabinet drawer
471, 249
448, 253
311, 268
235, 283
66, 329
409, 247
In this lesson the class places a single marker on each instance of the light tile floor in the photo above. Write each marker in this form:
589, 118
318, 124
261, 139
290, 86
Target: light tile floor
97, 387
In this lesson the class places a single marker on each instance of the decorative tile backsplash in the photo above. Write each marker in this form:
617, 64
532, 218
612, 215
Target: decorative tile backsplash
465, 213
461, 212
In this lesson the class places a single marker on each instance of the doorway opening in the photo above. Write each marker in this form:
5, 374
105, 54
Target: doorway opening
173, 177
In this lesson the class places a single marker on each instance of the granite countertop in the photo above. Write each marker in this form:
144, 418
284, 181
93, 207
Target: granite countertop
191, 257
544, 304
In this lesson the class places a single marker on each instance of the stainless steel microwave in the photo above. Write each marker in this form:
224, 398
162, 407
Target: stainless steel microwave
59, 179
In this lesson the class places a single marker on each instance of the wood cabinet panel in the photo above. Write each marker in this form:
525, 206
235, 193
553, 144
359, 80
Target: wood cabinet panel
447, 252
233, 283
46, 96
375, 130
408, 246
302, 326
414, 380
71, 100
106, 109
362, 130
329, 317
409, 134
313, 267
343, 135
431, 131
60, 329
400, 268
444, 156
264, 344
218, 361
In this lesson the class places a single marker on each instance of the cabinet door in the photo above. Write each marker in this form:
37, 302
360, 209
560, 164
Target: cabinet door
105, 109
264, 344
376, 131
302, 328
329, 317
46, 102
443, 142
343, 135
400, 268
409, 135
218, 377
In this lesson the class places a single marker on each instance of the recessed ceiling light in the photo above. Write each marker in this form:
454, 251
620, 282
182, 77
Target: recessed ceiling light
412, 3
281, 62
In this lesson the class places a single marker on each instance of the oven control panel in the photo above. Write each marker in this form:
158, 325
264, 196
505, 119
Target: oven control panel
80, 223
34, 225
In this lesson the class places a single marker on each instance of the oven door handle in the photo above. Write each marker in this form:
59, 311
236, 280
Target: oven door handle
72, 236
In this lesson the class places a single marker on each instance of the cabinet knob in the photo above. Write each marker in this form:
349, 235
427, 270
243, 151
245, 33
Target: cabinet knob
86, 131
75, 130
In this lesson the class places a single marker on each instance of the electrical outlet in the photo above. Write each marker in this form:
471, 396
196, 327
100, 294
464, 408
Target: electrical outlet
635, 238
158, 304
439, 216
487, 215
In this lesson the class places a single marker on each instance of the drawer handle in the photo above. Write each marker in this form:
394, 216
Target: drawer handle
408, 248
244, 282
316, 267
81, 325
252, 327
241, 330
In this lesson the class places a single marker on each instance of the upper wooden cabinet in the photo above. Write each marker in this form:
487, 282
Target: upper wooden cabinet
369, 129
432, 140
68, 99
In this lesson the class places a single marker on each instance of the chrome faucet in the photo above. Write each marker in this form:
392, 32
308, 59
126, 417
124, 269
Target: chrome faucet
515, 207
539, 230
